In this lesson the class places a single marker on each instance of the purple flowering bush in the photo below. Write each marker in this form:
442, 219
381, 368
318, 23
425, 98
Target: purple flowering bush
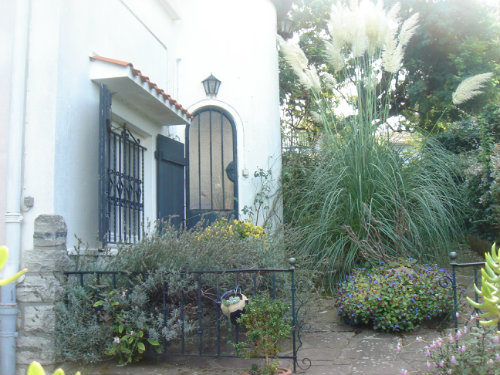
394, 297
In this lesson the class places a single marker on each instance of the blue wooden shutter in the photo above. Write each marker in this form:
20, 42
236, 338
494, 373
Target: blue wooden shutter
104, 125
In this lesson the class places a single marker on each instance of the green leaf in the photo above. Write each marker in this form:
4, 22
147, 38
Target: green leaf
140, 347
153, 342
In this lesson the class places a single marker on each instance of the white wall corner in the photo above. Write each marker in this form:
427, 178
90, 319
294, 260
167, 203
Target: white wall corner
171, 8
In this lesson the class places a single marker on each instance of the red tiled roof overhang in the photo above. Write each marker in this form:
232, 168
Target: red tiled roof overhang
143, 78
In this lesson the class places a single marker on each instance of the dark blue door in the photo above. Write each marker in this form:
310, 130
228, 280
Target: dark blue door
170, 180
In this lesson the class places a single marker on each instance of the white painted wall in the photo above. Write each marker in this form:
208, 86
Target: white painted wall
236, 41
6, 26
62, 105
233, 39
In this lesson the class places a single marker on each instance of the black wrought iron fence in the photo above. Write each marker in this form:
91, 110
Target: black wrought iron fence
196, 306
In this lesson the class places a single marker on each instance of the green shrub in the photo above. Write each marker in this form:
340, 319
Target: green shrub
266, 326
129, 325
476, 142
394, 297
93, 318
79, 335
482, 188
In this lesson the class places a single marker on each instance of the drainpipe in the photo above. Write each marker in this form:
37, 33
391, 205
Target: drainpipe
13, 216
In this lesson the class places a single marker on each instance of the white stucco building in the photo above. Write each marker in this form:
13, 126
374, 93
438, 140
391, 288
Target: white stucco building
105, 122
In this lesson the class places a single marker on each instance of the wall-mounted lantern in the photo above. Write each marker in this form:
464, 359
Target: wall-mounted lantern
211, 86
285, 27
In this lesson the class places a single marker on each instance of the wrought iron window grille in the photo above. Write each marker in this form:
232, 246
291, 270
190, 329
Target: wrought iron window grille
123, 195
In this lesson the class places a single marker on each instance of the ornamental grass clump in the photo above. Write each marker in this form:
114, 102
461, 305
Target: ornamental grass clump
394, 297
366, 199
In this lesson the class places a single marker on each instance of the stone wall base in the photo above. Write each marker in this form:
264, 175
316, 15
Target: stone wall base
38, 292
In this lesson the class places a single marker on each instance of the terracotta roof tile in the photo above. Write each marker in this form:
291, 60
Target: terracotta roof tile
145, 79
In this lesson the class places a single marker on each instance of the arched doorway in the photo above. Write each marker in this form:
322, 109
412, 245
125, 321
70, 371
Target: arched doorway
212, 176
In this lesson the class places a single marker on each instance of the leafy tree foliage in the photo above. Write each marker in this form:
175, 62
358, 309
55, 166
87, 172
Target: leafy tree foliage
310, 19
455, 39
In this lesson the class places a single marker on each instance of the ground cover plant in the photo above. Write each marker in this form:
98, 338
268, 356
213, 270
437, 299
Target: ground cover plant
124, 315
394, 297
365, 199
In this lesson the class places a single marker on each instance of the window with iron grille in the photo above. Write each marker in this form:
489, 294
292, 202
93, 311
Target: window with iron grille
121, 170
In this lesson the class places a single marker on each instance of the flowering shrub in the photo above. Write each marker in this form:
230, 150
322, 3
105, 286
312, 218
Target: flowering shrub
130, 335
393, 297
241, 229
151, 271
474, 350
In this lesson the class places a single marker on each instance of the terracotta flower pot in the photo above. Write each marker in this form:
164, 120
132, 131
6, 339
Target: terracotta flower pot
233, 311
281, 371
284, 371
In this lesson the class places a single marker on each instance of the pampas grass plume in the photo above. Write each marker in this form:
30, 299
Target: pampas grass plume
392, 55
335, 56
293, 54
408, 29
470, 87
308, 76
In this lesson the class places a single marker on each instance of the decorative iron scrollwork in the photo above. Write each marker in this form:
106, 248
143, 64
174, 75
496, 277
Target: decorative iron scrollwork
300, 325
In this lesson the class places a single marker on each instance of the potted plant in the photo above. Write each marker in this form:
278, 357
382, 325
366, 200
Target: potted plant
232, 304
266, 326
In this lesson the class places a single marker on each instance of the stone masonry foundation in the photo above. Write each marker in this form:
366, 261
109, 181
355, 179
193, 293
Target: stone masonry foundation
37, 293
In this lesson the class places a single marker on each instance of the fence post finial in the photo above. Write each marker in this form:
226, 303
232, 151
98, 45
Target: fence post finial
292, 263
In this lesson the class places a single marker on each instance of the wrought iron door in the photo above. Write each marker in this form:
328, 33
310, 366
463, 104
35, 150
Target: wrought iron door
212, 188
